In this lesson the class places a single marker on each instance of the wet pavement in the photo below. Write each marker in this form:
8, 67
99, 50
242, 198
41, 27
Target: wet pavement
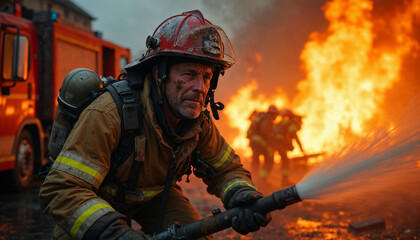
21, 218
317, 220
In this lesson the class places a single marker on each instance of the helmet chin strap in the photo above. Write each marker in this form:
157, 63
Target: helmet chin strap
215, 106
162, 75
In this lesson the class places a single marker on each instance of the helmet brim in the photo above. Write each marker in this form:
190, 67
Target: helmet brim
145, 63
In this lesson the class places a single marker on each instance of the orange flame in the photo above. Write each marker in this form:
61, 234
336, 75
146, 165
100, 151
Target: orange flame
307, 223
347, 76
239, 113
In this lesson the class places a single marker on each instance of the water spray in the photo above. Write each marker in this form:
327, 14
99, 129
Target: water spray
387, 153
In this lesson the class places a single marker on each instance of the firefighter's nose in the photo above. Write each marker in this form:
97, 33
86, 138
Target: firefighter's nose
199, 84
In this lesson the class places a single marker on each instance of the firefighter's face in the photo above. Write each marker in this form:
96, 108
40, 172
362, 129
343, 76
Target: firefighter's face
187, 87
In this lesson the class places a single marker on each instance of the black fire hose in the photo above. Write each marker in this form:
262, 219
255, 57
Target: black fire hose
223, 220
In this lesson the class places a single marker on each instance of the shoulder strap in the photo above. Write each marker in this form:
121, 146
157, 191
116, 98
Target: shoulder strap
130, 111
128, 103
129, 107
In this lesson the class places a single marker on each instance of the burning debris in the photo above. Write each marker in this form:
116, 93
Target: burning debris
367, 225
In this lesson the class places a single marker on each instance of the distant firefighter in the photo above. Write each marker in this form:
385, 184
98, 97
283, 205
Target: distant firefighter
284, 132
260, 134
253, 115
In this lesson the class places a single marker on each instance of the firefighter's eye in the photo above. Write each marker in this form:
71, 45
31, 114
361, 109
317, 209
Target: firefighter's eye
207, 77
188, 75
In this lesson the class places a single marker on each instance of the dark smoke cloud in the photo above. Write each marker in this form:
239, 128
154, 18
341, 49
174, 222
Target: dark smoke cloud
277, 30
409, 86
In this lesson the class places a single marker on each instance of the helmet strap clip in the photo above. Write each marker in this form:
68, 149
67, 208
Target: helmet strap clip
162, 75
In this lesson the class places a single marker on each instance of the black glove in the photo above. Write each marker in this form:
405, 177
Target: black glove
246, 220
113, 225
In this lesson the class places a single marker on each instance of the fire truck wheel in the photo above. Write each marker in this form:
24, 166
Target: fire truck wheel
24, 164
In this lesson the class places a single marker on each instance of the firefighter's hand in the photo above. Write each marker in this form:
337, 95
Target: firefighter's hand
241, 196
246, 220
133, 235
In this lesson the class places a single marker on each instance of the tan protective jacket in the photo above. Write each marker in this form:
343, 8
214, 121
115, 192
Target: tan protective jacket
73, 192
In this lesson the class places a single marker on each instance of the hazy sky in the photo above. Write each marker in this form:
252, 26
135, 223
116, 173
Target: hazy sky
129, 22
276, 29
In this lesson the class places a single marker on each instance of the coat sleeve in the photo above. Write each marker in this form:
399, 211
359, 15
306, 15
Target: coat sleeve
69, 190
231, 174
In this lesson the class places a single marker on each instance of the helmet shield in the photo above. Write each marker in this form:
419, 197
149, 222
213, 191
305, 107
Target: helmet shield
208, 41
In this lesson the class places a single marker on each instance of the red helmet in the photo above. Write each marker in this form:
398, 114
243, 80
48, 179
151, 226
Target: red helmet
189, 35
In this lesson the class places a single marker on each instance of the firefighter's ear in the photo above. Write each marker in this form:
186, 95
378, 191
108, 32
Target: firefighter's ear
155, 73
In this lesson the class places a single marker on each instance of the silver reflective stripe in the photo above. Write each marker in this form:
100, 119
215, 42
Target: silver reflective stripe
235, 183
224, 156
84, 217
80, 167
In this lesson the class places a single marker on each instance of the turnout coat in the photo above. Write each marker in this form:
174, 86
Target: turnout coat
75, 193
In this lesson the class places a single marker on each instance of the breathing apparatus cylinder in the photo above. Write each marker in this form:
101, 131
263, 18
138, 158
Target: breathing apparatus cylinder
76, 93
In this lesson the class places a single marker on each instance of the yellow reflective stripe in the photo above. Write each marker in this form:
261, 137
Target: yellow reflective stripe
293, 128
224, 158
81, 167
150, 193
234, 183
278, 136
112, 190
85, 215
260, 140
257, 138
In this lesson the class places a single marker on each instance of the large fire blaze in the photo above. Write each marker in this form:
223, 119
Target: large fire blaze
359, 72
349, 70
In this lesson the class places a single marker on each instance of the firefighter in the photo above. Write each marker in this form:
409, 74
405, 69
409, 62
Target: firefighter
253, 115
284, 132
89, 199
259, 135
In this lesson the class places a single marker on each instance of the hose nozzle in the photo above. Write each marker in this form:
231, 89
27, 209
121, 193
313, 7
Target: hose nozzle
286, 197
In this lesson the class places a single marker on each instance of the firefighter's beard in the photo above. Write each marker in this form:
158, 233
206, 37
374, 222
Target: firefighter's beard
189, 106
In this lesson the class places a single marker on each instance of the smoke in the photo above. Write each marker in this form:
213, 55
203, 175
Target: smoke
409, 86
267, 37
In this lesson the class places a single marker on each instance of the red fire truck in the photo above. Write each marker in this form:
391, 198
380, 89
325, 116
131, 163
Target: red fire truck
35, 57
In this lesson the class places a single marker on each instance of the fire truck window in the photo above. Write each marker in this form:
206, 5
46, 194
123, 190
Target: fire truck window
15, 57
7, 57
23, 58
123, 62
